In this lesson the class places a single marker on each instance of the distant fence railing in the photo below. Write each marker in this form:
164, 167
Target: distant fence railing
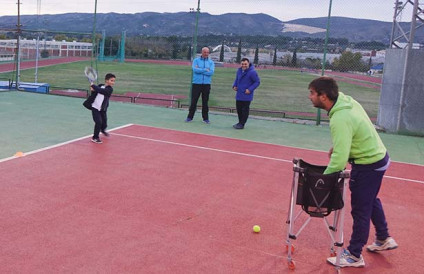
273, 113
269, 113
175, 103
147, 100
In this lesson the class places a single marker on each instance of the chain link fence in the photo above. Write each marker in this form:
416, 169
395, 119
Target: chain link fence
289, 41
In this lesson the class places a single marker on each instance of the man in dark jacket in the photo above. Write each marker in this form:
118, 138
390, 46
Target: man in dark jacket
247, 80
100, 105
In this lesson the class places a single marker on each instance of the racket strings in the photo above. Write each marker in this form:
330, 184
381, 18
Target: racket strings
90, 73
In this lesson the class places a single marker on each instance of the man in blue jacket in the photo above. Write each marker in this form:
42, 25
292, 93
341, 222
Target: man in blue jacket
203, 69
247, 80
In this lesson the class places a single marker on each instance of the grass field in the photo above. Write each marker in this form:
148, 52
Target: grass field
279, 90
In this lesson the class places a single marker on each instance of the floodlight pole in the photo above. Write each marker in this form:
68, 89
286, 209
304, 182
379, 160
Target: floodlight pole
37, 48
407, 57
324, 59
18, 47
194, 48
93, 35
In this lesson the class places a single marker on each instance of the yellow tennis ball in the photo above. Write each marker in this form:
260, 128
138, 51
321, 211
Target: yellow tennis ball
256, 228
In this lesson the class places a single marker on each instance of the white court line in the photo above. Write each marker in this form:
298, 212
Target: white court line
239, 153
404, 179
204, 148
181, 144
259, 142
57, 145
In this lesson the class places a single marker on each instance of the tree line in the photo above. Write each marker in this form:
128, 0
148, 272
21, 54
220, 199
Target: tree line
179, 47
173, 47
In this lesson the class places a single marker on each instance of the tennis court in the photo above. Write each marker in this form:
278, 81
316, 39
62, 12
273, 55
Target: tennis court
157, 200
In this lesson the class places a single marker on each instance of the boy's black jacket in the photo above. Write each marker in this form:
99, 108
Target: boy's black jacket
107, 91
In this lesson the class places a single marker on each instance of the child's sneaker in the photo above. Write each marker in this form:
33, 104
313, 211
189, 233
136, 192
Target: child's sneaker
347, 259
96, 140
388, 244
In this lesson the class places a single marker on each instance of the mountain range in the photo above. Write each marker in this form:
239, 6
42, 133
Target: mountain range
183, 24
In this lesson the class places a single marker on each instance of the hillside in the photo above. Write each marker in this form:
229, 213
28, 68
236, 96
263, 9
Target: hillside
354, 29
182, 24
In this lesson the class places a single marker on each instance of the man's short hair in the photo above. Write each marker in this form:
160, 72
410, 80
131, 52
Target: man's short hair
109, 75
245, 59
325, 85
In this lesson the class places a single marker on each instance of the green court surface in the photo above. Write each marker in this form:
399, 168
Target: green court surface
31, 121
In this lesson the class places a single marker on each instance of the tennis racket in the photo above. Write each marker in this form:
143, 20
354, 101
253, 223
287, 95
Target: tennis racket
91, 74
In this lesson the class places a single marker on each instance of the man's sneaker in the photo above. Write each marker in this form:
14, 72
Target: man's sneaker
388, 244
96, 140
206, 121
238, 126
347, 260
105, 133
188, 120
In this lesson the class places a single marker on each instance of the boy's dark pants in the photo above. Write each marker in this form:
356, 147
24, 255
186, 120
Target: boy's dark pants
100, 121
196, 90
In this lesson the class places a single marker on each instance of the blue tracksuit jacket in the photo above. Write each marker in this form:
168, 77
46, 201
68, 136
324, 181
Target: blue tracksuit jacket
203, 70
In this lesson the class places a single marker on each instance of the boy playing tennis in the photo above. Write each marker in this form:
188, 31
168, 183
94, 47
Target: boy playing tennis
100, 105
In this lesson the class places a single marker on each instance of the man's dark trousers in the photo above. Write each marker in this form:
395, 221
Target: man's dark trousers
365, 183
196, 91
243, 109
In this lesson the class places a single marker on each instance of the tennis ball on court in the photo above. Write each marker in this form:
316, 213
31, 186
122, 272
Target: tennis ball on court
19, 154
256, 228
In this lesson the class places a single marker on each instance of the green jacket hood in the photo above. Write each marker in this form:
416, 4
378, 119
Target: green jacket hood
353, 135
342, 102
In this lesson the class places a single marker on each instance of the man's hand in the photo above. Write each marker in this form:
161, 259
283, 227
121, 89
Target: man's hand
330, 152
247, 91
235, 88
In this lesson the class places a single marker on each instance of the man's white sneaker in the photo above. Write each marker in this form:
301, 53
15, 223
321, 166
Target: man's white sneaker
388, 244
347, 260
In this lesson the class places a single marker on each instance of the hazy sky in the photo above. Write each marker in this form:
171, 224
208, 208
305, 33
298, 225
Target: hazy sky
284, 10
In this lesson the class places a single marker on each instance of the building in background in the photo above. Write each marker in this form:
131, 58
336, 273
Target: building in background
6, 56
45, 48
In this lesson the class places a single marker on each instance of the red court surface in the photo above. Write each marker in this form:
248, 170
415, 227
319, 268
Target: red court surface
151, 200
